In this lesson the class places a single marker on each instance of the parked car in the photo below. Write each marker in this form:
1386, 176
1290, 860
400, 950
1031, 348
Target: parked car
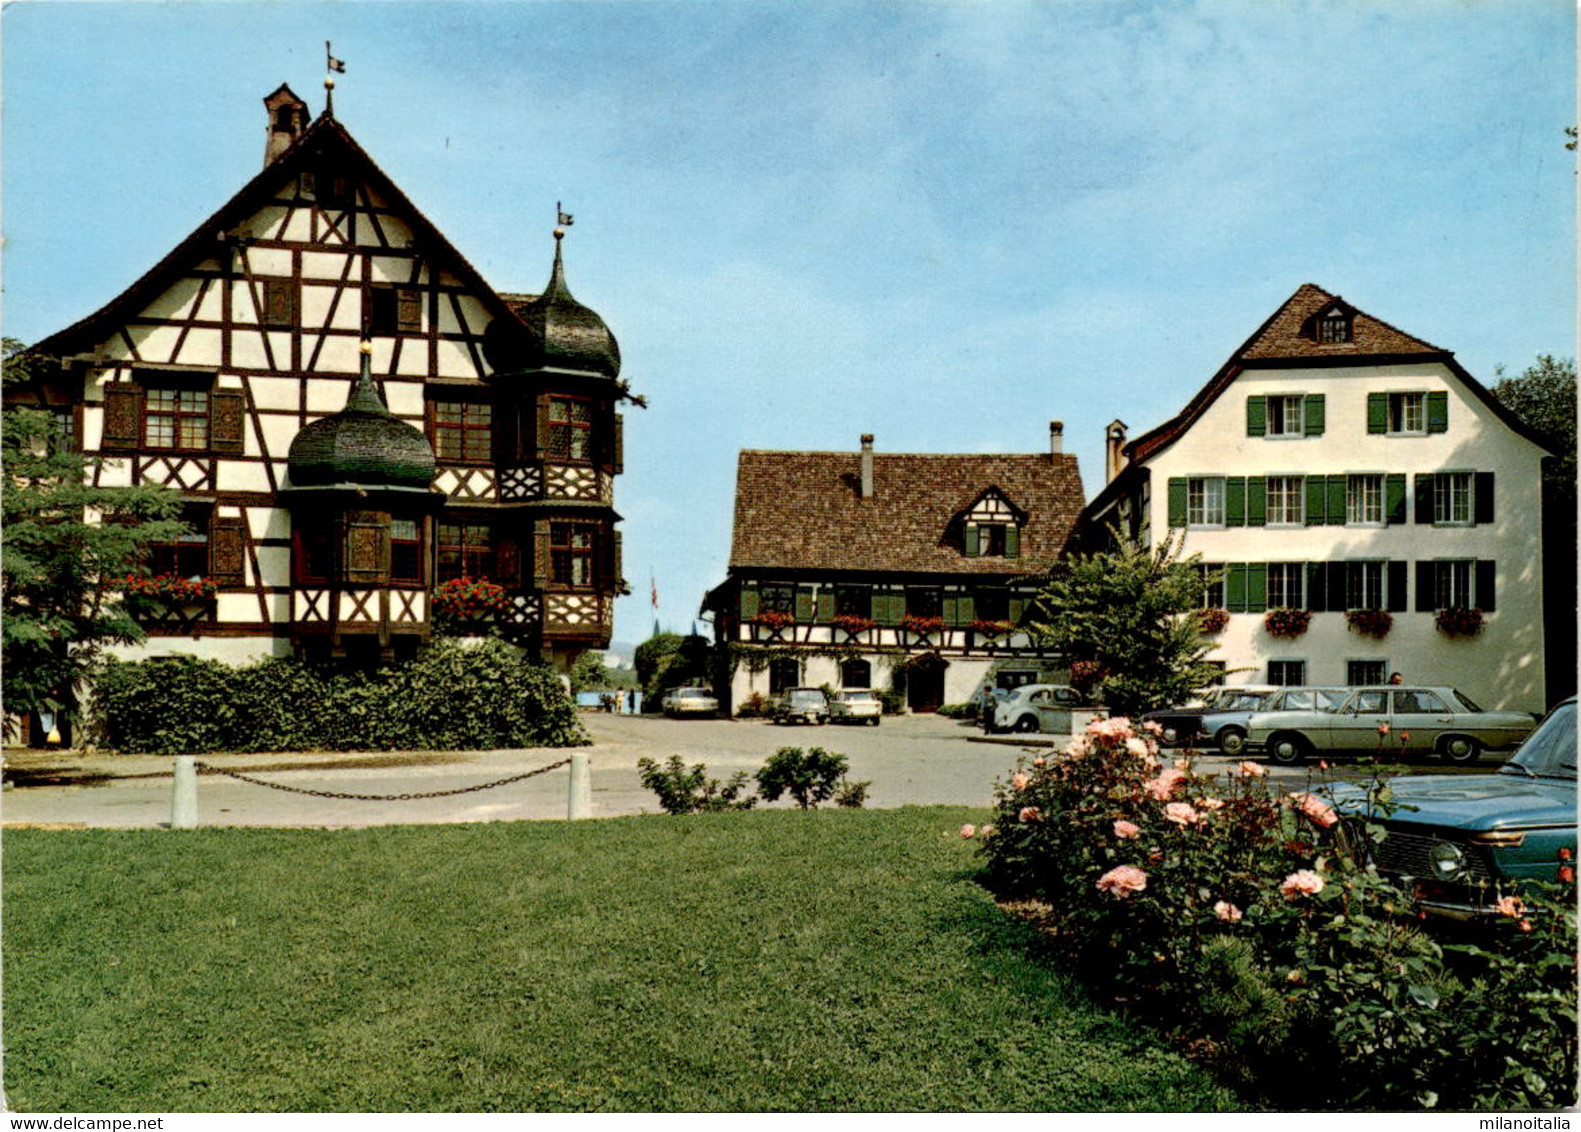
1395, 721
1225, 725
856, 706
1461, 841
1037, 707
996, 696
1183, 725
689, 701
802, 705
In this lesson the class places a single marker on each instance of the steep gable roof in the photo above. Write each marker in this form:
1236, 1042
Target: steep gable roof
804, 510
325, 136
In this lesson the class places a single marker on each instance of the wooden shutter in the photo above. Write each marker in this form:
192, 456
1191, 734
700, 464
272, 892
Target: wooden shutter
1235, 501
1426, 586
1317, 586
1424, 497
1257, 416
1486, 585
1394, 500
541, 429
972, 540
1256, 587
1394, 587
228, 550
228, 422
1256, 501
409, 311
1177, 501
607, 556
1482, 497
749, 600
804, 604
825, 604
1312, 415
968, 609
951, 609
508, 562
618, 462
1016, 607
123, 417
889, 608
540, 554
1235, 587
1334, 488
367, 547
1377, 412
1317, 499
1012, 541
1438, 411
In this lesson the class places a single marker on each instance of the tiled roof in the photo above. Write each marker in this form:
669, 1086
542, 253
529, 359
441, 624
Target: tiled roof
1290, 333
804, 510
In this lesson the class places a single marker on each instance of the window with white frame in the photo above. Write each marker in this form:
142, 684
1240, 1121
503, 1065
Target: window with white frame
1364, 500
1286, 501
1452, 587
1286, 585
1363, 585
1452, 498
1408, 414
1205, 501
1362, 672
1284, 415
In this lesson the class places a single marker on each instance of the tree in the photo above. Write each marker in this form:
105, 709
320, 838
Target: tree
669, 660
588, 673
1130, 613
66, 546
1544, 398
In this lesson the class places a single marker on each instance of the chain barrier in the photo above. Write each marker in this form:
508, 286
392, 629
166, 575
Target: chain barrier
207, 769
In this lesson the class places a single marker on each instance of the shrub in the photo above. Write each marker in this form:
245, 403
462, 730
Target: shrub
683, 791
958, 711
169, 705
894, 702
1251, 920
809, 777
755, 706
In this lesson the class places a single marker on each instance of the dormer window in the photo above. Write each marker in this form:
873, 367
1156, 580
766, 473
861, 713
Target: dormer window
1334, 326
991, 527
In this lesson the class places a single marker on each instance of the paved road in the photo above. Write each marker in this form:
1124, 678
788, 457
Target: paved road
911, 760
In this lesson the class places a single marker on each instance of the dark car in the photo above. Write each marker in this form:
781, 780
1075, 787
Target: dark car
1462, 841
802, 705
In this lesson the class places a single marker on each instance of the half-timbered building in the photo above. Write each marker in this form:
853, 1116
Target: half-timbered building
906, 571
353, 417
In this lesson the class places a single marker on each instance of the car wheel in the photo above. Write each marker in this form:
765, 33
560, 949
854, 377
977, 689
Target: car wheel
1026, 724
1459, 749
1287, 749
1232, 742
874, 721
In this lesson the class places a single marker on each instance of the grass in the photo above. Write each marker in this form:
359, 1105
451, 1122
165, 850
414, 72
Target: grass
832, 960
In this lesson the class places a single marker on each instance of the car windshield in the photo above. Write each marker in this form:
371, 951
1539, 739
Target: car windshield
858, 697
691, 694
1550, 751
805, 697
1466, 700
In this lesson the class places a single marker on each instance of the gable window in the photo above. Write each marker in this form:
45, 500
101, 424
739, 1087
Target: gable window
571, 554
1285, 415
463, 550
462, 430
570, 429
1364, 500
1205, 501
176, 418
1334, 327
1364, 585
1452, 498
279, 302
1286, 673
395, 310
1286, 585
406, 551
1362, 672
1286, 497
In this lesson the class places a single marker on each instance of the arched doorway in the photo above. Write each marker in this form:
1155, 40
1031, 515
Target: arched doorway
925, 682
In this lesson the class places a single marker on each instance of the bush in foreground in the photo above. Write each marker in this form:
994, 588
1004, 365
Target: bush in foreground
1248, 920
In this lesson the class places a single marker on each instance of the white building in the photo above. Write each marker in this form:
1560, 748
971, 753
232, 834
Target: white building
1336, 466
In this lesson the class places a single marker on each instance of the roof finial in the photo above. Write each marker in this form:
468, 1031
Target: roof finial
332, 66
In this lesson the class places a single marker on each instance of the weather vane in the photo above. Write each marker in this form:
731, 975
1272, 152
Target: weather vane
332, 67
562, 220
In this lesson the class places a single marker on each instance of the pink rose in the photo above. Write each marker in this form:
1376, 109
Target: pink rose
1226, 911
968, 829
1078, 747
1302, 882
1138, 748
1510, 906
1383, 727
1321, 813
1123, 880
1250, 769
1152, 727
1211, 804
1119, 727
1040, 761
1123, 828
1181, 813
1019, 780
1030, 813
1165, 784
987, 831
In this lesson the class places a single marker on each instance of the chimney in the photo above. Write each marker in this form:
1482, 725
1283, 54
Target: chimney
1114, 441
287, 122
867, 465
1056, 438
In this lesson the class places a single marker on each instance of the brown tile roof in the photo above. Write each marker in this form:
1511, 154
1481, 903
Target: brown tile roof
804, 510
1290, 332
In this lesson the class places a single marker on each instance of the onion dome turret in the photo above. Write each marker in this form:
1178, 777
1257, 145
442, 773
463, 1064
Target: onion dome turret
552, 332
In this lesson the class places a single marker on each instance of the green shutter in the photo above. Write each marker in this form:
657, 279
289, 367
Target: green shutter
749, 601
1235, 587
1486, 584
1012, 541
1426, 586
1378, 412
972, 540
951, 609
804, 604
1312, 415
1394, 587
1482, 497
1256, 587
1335, 489
1317, 497
1256, 501
1424, 497
968, 609
825, 603
1317, 591
1438, 412
1235, 501
1177, 501
1394, 499
889, 608
1256, 416
1016, 607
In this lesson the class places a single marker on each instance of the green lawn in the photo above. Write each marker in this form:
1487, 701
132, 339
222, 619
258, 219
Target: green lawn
834, 960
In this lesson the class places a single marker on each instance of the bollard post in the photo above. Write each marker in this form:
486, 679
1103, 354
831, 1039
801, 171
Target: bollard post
184, 799
579, 803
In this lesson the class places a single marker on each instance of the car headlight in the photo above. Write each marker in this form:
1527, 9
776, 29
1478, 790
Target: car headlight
1448, 860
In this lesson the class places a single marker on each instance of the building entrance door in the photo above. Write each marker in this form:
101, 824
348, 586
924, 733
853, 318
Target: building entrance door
925, 683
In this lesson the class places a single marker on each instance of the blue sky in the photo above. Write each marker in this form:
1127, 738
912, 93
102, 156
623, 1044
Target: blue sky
945, 223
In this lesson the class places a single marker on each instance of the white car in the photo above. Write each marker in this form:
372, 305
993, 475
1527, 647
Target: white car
689, 701
1037, 707
855, 706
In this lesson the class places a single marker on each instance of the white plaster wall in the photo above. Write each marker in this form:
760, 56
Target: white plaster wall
229, 650
454, 361
338, 354
276, 392
315, 304
405, 398
269, 522
326, 396
278, 434
211, 309
155, 343
274, 565
414, 359
243, 308
269, 261
323, 265
247, 350
1503, 667
92, 426
175, 302
298, 225
240, 475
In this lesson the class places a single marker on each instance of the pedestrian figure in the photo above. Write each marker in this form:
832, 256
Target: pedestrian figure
1397, 679
986, 708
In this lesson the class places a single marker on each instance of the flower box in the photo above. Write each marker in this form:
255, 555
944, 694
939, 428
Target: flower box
1374, 623
465, 598
1459, 622
993, 630
775, 619
170, 589
1287, 622
852, 623
922, 626
1213, 620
